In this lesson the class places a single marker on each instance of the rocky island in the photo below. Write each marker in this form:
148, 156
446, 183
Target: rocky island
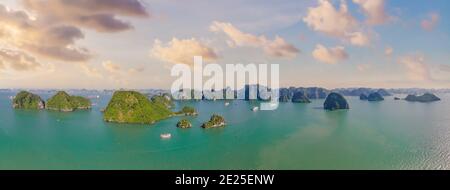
62, 101
214, 122
187, 111
134, 107
375, 97
427, 97
164, 99
363, 97
184, 124
300, 97
27, 100
335, 101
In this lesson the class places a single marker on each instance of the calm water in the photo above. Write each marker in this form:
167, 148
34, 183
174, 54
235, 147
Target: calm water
385, 135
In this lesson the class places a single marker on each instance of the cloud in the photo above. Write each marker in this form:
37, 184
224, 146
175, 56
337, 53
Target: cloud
363, 67
111, 67
91, 71
20, 31
374, 10
99, 15
275, 48
358, 39
136, 70
111, 71
388, 51
119, 74
56, 25
329, 55
182, 51
325, 18
415, 67
18, 61
430, 23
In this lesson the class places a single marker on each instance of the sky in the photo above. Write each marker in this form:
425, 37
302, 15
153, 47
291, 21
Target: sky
111, 44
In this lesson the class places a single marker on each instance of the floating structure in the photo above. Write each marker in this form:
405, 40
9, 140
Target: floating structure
166, 136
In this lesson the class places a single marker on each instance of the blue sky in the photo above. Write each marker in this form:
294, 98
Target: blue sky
389, 43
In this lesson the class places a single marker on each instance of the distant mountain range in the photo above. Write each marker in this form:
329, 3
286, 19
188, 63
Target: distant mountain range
285, 94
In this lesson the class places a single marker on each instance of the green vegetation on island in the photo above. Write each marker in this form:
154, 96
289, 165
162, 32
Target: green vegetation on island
187, 111
62, 101
375, 97
335, 101
427, 97
27, 100
184, 124
164, 99
134, 107
300, 97
214, 122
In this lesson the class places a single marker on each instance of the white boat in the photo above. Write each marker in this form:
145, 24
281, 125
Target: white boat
227, 103
255, 108
12, 97
166, 136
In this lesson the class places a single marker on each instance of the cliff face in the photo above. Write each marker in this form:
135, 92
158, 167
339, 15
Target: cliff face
427, 97
27, 100
134, 107
62, 101
335, 101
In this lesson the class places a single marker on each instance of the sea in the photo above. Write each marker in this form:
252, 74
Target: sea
391, 134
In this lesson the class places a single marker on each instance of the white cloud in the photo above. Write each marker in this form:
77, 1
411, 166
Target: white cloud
275, 48
325, 18
329, 55
374, 10
359, 39
182, 51
416, 67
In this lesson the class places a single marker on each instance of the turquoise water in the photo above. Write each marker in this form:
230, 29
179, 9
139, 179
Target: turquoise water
384, 135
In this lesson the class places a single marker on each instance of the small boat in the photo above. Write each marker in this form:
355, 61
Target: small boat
255, 108
227, 103
12, 97
166, 136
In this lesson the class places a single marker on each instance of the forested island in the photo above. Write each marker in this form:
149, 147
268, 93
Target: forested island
64, 102
134, 107
27, 100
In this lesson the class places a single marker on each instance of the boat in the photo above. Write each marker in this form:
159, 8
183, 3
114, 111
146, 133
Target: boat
255, 108
12, 97
227, 103
166, 136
